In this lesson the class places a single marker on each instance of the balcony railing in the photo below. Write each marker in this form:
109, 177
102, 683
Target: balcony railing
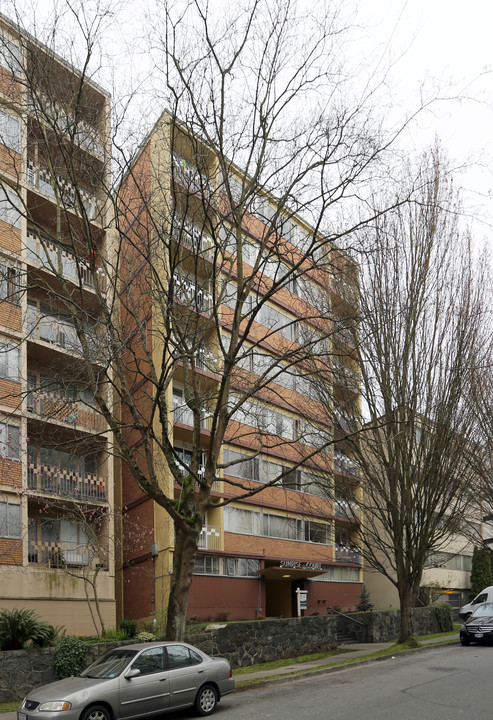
210, 538
190, 294
185, 231
346, 509
52, 405
41, 179
189, 176
66, 483
52, 329
184, 415
47, 254
345, 290
85, 134
347, 554
344, 464
64, 554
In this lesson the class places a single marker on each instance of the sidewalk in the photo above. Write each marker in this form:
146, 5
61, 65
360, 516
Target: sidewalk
355, 654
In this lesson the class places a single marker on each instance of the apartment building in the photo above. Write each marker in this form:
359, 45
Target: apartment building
56, 489
283, 513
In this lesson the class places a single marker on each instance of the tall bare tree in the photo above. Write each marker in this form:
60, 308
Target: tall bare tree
419, 340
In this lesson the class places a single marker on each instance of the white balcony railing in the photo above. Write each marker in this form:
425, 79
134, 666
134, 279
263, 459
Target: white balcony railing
185, 231
184, 415
41, 179
346, 509
347, 554
189, 293
66, 483
47, 254
344, 464
210, 538
53, 329
189, 176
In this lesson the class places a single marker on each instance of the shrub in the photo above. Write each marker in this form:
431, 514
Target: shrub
129, 627
19, 626
144, 637
223, 616
70, 656
364, 603
444, 616
113, 634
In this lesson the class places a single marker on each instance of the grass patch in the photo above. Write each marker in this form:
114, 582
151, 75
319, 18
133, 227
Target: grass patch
287, 661
9, 707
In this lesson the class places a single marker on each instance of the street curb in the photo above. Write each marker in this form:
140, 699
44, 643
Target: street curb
337, 668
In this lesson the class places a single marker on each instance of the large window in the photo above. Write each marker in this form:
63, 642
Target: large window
9, 441
10, 131
10, 55
230, 566
57, 542
250, 522
10, 205
10, 519
244, 466
10, 284
9, 362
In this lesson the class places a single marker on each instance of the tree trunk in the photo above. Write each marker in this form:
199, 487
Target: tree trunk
186, 543
405, 602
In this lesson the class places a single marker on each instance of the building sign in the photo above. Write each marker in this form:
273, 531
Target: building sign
302, 598
293, 564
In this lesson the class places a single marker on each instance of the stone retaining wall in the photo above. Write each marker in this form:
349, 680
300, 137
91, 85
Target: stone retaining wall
242, 643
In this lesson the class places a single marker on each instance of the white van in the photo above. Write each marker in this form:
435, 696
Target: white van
485, 595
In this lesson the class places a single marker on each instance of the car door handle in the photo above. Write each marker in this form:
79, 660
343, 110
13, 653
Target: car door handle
200, 671
163, 679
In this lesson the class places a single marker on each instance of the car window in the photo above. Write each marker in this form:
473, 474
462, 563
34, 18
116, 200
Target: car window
483, 610
109, 665
480, 598
150, 661
180, 656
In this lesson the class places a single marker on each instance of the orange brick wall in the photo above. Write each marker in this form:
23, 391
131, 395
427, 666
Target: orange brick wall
10, 472
10, 394
10, 316
10, 238
10, 551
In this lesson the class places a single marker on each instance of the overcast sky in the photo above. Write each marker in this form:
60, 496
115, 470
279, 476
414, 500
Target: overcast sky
427, 44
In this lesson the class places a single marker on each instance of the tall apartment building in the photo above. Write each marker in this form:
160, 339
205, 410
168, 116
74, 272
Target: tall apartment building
55, 470
256, 550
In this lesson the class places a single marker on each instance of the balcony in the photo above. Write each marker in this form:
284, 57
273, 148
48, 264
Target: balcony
186, 231
346, 509
85, 135
344, 464
184, 415
66, 483
42, 180
51, 328
189, 176
54, 405
188, 293
345, 290
49, 255
347, 554
210, 538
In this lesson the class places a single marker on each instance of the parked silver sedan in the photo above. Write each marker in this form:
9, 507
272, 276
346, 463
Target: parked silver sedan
134, 681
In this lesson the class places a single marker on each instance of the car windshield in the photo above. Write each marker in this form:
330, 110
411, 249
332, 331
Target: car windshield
109, 665
483, 610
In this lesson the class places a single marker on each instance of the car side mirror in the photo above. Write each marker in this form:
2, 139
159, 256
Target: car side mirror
133, 672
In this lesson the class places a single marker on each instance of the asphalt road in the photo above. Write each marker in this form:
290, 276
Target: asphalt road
443, 684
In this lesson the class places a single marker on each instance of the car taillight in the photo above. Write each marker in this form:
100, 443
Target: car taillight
230, 673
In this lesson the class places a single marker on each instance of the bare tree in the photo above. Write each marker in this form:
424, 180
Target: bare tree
222, 270
419, 340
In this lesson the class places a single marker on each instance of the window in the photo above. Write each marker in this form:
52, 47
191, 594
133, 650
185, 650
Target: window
247, 467
316, 532
338, 574
10, 519
10, 204
242, 521
58, 542
150, 661
9, 284
240, 567
9, 362
9, 441
10, 55
281, 527
180, 656
10, 131
206, 565
276, 321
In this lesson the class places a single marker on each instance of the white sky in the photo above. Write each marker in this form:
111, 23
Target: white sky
429, 43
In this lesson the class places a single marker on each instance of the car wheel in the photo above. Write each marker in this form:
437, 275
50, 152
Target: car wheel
96, 712
465, 641
206, 700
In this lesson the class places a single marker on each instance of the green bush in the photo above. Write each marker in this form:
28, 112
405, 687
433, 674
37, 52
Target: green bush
17, 627
129, 627
70, 656
113, 634
144, 637
443, 612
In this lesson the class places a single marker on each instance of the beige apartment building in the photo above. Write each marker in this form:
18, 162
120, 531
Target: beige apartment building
56, 476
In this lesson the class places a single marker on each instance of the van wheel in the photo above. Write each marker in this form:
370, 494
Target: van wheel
206, 700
